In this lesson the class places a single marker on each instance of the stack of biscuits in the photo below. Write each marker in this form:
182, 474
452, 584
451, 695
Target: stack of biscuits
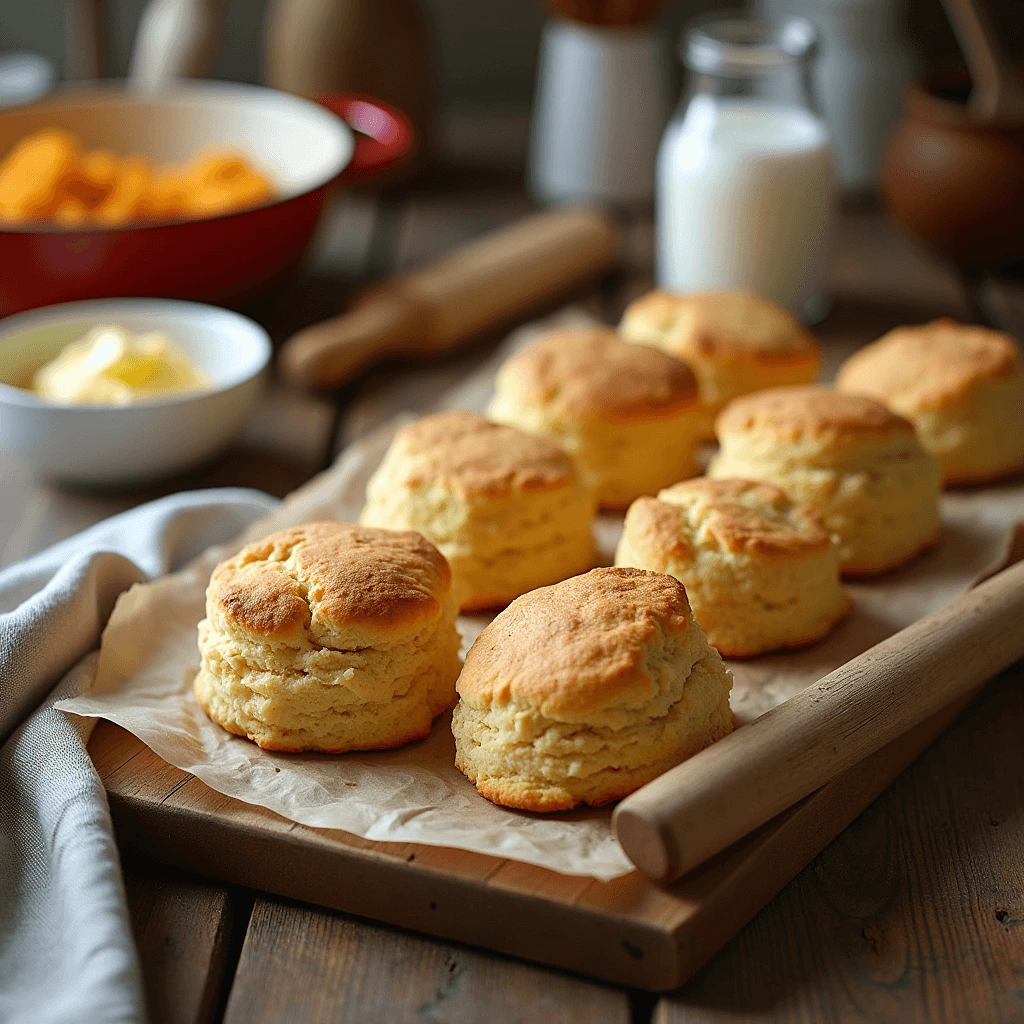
590, 682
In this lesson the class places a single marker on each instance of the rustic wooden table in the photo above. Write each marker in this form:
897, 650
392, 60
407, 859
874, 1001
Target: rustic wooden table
912, 913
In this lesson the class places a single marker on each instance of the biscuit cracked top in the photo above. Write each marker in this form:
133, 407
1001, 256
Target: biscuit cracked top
344, 585
738, 516
592, 372
930, 365
796, 412
580, 646
473, 455
735, 323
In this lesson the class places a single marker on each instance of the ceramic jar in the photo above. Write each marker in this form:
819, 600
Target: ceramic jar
955, 183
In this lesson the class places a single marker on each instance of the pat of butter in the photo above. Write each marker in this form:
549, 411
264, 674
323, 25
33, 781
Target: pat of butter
110, 365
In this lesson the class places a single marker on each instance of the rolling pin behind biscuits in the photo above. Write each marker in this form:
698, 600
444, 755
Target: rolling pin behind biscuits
485, 285
707, 803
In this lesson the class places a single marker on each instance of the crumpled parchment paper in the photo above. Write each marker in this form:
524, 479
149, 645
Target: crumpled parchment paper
415, 794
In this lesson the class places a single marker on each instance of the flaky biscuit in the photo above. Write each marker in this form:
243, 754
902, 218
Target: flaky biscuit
858, 463
585, 691
761, 573
508, 509
329, 637
961, 386
735, 341
629, 415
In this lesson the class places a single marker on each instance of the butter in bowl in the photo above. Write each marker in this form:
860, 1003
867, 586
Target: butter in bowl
110, 392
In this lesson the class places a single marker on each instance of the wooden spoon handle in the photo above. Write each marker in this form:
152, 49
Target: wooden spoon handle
85, 37
997, 91
176, 39
707, 803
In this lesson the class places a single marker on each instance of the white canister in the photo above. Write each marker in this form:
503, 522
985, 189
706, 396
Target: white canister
601, 105
746, 183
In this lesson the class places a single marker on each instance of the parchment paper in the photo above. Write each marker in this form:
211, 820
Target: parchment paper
415, 794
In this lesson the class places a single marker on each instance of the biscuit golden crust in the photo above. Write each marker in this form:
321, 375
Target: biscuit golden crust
582, 692
576, 647
736, 342
963, 388
974, 476
593, 373
865, 567
629, 415
795, 413
329, 637
743, 516
404, 723
761, 572
337, 574
930, 365
861, 466
733, 323
509, 511
474, 455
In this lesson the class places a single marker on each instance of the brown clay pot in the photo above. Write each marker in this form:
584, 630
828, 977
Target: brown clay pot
955, 183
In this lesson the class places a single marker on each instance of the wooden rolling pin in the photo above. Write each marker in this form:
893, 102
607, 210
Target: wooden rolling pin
707, 803
488, 284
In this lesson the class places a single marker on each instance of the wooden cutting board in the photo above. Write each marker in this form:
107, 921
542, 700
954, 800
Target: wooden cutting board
628, 931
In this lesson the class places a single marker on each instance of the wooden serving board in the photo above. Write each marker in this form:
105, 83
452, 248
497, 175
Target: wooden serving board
628, 931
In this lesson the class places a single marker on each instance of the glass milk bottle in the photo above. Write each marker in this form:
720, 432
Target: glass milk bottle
746, 186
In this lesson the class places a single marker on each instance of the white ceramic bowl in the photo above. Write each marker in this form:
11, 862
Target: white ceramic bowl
108, 445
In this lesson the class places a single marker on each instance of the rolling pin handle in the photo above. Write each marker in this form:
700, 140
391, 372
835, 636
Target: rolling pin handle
707, 803
645, 846
329, 353
488, 284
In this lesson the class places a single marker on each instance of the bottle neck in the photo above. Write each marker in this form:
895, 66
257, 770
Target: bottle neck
787, 86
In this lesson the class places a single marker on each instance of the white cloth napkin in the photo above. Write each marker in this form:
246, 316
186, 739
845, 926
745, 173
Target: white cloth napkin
66, 951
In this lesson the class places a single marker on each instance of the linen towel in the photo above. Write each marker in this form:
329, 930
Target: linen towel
66, 950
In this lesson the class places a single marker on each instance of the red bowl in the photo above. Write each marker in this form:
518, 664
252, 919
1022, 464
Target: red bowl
305, 147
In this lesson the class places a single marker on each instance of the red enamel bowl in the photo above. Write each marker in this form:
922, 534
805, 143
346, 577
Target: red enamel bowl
305, 147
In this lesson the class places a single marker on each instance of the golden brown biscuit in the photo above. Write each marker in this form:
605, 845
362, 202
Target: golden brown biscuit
508, 509
761, 573
961, 386
585, 691
329, 637
736, 342
858, 463
629, 415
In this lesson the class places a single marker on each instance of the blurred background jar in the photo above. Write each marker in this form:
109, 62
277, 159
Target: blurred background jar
746, 185
866, 61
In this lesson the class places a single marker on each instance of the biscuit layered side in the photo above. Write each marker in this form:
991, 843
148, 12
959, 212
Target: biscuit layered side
858, 464
735, 341
329, 637
604, 401
961, 386
508, 510
761, 572
979, 441
582, 692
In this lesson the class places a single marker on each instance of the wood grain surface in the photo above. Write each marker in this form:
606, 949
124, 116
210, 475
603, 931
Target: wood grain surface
914, 914
887, 923
629, 931
300, 963
711, 800
183, 931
